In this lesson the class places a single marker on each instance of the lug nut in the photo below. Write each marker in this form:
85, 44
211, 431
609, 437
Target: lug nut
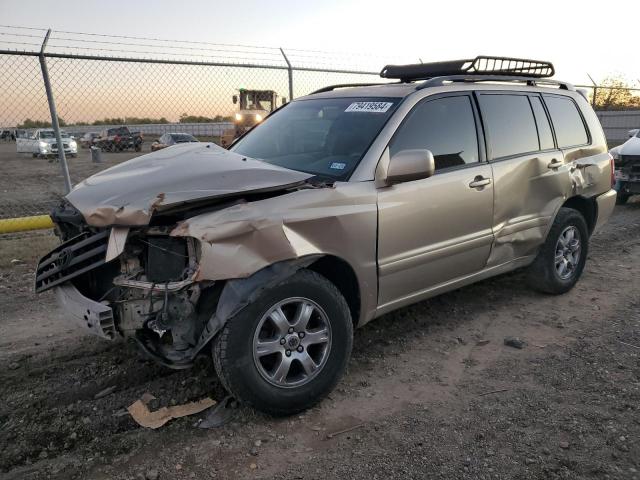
282, 341
288, 353
301, 334
290, 329
300, 349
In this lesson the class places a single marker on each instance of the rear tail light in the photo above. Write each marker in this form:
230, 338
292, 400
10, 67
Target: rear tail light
613, 170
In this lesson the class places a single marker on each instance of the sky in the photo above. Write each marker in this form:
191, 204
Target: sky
578, 37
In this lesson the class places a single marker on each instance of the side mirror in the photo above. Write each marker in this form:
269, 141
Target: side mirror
409, 165
284, 100
234, 99
633, 133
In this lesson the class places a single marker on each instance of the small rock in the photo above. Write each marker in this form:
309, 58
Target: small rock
43, 454
14, 366
257, 443
178, 467
514, 342
482, 343
529, 461
105, 392
253, 452
151, 474
73, 435
16, 261
564, 445
253, 466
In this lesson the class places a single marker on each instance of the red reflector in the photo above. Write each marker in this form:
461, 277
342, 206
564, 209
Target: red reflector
613, 170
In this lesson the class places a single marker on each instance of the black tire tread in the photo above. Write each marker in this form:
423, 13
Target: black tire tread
221, 359
540, 276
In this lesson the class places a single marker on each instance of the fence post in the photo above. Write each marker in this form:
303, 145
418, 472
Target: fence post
290, 70
54, 115
595, 94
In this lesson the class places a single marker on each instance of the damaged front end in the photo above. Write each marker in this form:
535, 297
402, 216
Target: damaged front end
130, 282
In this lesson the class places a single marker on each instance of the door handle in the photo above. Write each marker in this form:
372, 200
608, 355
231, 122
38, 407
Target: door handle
555, 163
479, 182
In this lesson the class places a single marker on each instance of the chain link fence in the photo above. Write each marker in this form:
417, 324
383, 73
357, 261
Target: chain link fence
155, 87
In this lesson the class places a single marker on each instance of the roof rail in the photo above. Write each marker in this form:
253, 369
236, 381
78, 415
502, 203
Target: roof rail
531, 81
481, 65
347, 85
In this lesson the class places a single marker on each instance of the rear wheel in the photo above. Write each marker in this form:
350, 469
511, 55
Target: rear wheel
286, 350
561, 259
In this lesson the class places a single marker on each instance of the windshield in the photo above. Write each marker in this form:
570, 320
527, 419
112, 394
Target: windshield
182, 138
51, 134
324, 137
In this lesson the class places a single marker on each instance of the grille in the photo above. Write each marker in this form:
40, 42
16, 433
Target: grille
630, 158
71, 259
55, 145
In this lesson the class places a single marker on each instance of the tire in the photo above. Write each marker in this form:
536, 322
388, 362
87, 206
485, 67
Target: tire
243, 372
544, 274
622, 198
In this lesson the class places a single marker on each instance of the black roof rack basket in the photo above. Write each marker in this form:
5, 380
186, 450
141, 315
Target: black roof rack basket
481, 65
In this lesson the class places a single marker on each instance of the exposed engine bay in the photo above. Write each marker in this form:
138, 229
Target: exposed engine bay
147, 280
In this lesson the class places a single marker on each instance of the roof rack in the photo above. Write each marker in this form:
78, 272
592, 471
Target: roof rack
532, 82
481, 65
330, 88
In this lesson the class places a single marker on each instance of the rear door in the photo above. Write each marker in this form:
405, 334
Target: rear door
529, 171
433, 230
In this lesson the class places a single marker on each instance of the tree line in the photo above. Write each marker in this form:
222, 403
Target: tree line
184, 118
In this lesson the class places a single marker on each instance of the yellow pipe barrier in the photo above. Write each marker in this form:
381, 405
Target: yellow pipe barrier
24, 224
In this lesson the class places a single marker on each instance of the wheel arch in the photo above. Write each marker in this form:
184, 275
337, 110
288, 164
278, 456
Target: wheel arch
586, 206
339, 272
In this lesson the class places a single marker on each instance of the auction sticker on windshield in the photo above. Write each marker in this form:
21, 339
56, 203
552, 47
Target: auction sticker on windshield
370, 107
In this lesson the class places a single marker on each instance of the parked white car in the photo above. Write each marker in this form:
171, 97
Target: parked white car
627, 167
43, 143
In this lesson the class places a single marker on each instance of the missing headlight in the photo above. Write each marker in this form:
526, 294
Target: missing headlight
167, 259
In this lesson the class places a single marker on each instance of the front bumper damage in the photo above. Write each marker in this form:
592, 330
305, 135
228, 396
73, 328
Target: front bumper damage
94, 316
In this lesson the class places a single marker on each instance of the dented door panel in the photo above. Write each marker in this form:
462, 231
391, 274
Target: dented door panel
527, 195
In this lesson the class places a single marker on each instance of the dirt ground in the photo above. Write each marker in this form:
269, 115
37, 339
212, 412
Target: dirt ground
31, 186
431, 390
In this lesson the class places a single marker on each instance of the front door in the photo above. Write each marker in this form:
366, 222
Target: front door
434, 230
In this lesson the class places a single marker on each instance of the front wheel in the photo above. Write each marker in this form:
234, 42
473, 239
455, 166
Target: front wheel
563, 255
287, 350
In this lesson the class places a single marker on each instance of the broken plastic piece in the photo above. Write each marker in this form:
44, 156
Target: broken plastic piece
145, 418
220, 415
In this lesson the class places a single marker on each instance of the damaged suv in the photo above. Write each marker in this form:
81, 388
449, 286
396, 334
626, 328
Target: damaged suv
341, 206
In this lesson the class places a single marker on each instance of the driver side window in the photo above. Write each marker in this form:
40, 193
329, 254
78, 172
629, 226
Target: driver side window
445, 126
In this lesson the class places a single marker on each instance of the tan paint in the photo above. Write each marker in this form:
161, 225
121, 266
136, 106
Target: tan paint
242, 239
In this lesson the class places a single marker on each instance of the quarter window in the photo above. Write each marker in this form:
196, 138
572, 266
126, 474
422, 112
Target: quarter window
510, 125
567, 122
445, 126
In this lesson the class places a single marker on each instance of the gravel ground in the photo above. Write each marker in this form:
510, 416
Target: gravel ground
432, 391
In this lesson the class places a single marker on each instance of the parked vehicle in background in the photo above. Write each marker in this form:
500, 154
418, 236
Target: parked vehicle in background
42, 143
119, 139
627, 162
7, 135
169, 139
340, 207
89, 139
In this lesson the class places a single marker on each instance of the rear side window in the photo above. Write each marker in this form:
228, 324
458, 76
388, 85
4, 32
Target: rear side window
510, 125
567, 122
446, 126
542, 121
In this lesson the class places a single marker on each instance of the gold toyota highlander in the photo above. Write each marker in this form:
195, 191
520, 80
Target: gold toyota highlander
341, 206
